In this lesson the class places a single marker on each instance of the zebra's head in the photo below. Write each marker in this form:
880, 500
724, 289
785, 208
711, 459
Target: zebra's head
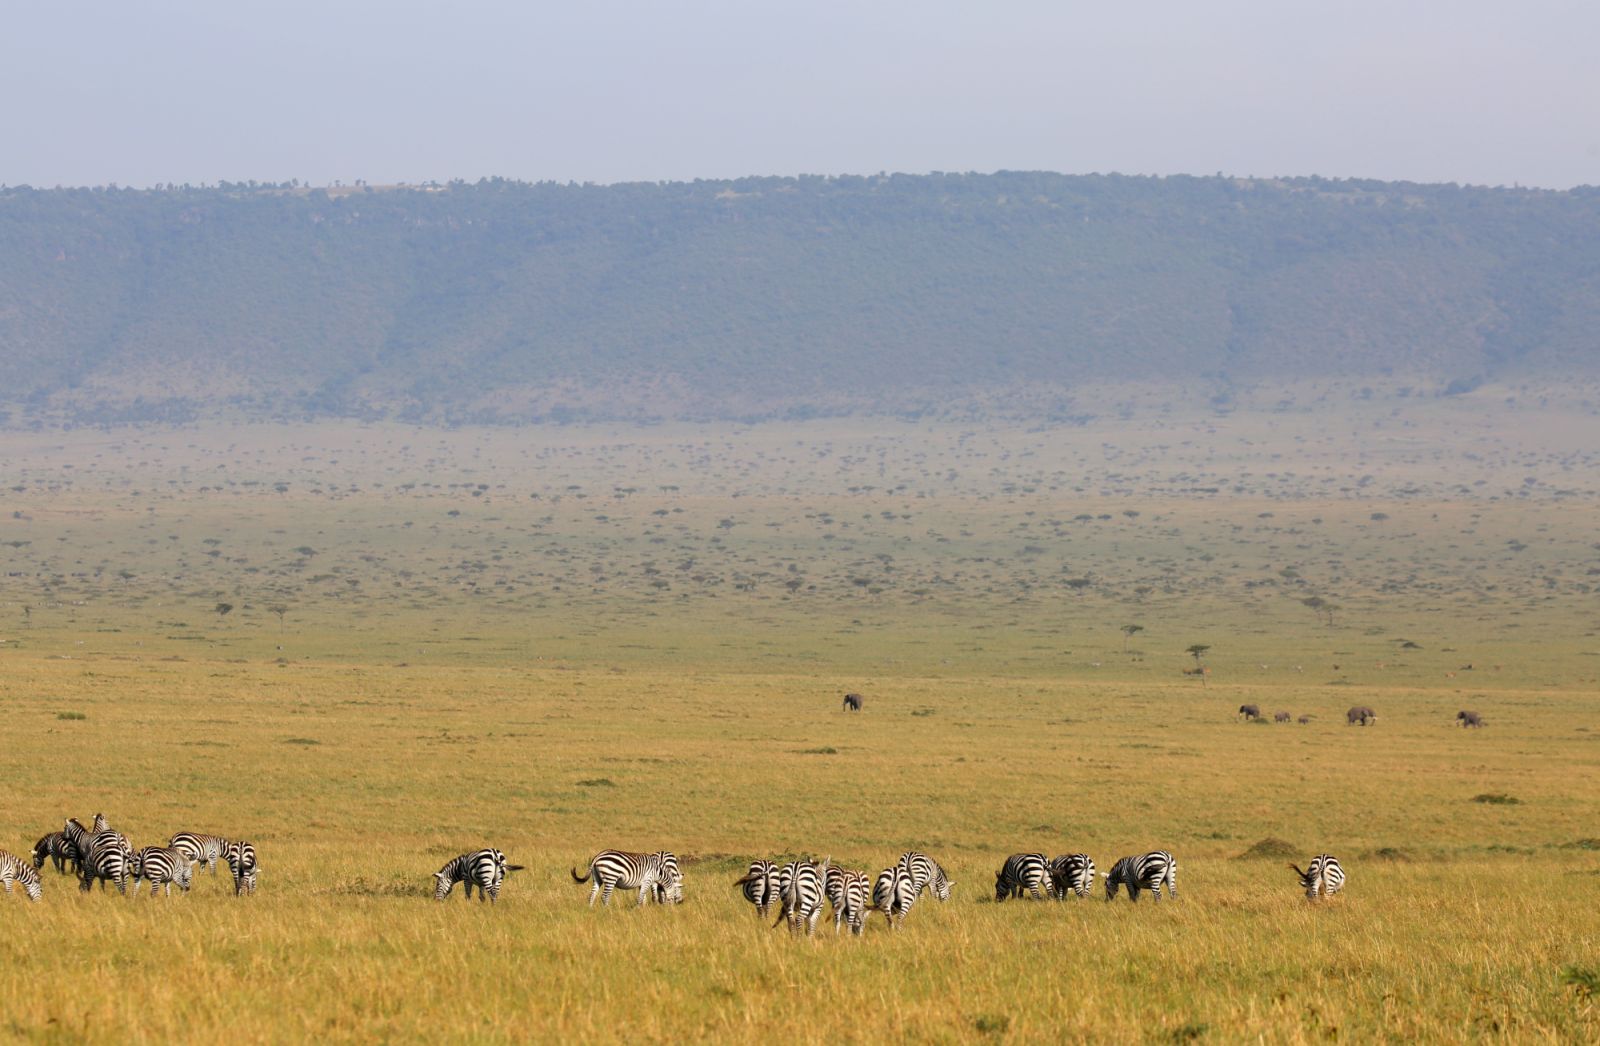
942, 884
183, 874
41, 850
31, 884
670, 890
1111, 884
100, 823
441, 885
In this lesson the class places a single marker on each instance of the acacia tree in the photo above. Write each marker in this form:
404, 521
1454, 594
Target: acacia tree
1195, 651
1128, 632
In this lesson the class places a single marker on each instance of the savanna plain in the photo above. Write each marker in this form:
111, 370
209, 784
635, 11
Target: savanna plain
368, 648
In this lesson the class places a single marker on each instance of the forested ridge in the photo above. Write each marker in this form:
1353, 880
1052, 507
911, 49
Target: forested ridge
508, 301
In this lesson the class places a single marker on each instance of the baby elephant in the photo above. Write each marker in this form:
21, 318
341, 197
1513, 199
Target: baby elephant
1281, 717
1466, 718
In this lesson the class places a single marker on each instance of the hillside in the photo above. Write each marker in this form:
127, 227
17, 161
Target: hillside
505, 301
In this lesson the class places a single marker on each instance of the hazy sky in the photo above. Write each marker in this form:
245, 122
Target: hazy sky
596, 90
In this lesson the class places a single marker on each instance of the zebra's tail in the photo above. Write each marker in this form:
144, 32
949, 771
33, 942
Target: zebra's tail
752, 877
1297, 870
517, 868
581, 878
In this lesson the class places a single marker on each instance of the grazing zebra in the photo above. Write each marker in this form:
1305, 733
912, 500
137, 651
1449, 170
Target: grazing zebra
1146, 872
1024, 872
485, 869
893, 894
1322, 877
1072, 873
848, 891
198, 847
801, 891
14, 869
107, 856
760, 886
925, 872
162, 866
241, 858
58, 848
651, 874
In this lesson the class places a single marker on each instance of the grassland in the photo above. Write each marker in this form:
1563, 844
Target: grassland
491, 637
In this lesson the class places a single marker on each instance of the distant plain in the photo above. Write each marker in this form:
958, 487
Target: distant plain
558, 639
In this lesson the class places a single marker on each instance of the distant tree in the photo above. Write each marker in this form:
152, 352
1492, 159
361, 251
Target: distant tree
223, 609
280, 610
1196, 651
1128, 632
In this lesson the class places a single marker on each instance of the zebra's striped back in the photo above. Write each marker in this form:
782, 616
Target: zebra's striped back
199, 847
760, 886
800, 887
1144, 872
241, 858
926, 873
1072, 873
1322, 877
893, 894
14, 869
486, 869
162, 866
1024, 873
653, 874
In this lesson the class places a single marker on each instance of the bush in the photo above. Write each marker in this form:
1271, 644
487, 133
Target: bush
1270, 847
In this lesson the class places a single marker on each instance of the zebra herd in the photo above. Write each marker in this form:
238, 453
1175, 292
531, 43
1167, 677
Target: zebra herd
798, 889
101, 853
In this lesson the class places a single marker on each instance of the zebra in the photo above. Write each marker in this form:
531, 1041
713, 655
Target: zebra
485, 869
1072, 873
241, 858
14, 869
198, 847
893, 894
926, 873
760, 886
58, 848
1146, 872
106, 856
1322, 876
1024, 872
848, 891
78, 835
162, 866
655, 874
801, 891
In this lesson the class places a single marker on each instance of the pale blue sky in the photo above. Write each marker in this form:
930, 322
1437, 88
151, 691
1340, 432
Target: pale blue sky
176, 90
